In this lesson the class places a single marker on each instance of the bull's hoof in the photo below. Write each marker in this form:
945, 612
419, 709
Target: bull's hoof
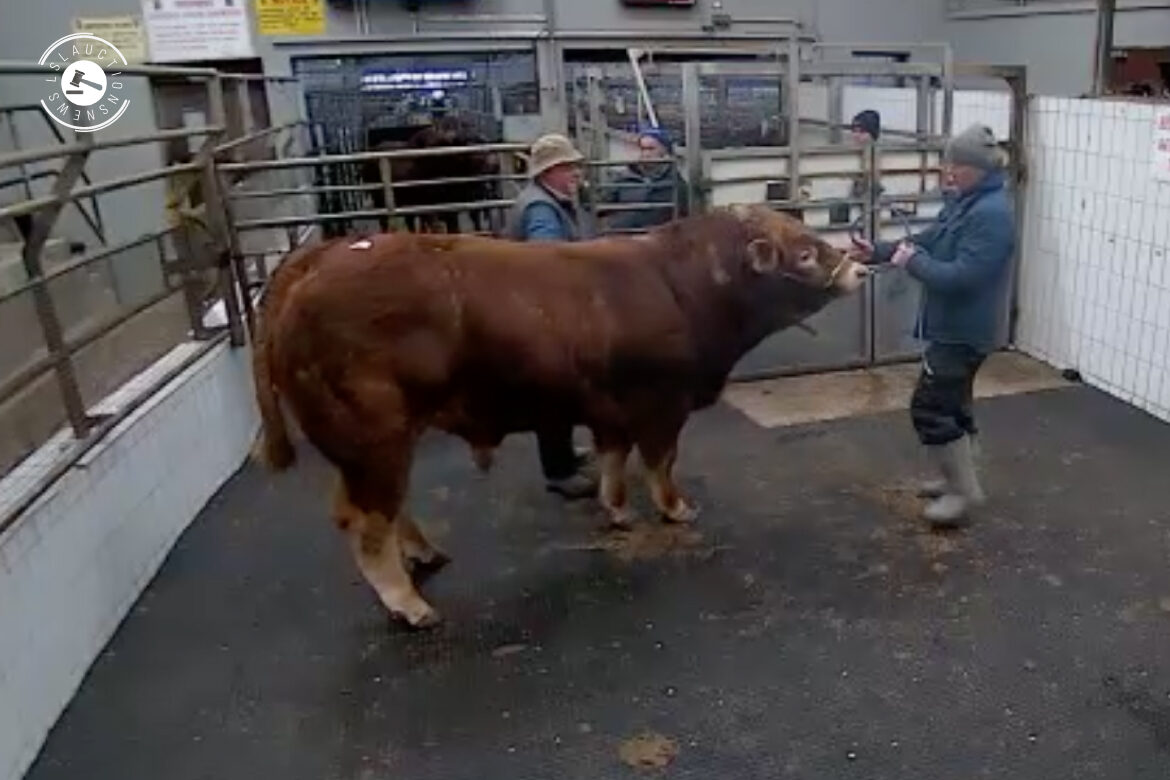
422, 570
622, 519
682, 513
417, 620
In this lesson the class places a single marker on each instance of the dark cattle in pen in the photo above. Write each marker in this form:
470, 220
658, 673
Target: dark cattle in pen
446, 132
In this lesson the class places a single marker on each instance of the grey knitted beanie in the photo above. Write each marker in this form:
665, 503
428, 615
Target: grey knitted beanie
976, 147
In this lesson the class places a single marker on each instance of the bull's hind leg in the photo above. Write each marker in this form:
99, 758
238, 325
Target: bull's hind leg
368, 509
423, 557
659, 452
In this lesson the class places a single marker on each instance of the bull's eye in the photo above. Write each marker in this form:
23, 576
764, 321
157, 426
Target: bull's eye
807, 257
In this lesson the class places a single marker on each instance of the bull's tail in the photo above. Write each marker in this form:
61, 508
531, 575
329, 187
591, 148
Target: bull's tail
274, 448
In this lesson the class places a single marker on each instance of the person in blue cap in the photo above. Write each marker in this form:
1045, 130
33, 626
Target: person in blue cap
866, 129
652, 179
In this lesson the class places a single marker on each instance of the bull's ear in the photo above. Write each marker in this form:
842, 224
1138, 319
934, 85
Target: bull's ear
763, 256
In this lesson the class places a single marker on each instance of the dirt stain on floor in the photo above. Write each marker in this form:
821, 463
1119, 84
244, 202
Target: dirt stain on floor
900, 501
649, 541
648, 751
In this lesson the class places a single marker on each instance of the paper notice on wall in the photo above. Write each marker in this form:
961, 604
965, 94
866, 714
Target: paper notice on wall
1162, 144
125, 32
183, 30
290, 17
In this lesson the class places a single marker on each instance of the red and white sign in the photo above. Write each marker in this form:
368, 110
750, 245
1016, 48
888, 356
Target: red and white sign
184, 30
1162, 144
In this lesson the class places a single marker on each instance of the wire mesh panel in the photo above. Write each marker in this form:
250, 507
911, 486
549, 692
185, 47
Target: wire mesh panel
361, 103
742, 111
736, 111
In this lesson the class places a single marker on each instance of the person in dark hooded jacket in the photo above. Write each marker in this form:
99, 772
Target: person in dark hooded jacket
865, 129
652, 179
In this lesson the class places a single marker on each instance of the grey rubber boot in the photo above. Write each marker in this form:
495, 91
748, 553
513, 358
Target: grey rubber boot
577, 486
936, 488
956, 461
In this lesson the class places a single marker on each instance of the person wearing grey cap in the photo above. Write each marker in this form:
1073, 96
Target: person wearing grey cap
546, 210
961, 260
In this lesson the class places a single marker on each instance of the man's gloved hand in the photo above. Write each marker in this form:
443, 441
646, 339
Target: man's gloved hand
903, 253
862, 251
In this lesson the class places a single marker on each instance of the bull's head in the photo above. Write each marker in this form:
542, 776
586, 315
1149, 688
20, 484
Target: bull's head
781, 247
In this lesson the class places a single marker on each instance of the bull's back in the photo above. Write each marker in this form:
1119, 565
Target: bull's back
484, 332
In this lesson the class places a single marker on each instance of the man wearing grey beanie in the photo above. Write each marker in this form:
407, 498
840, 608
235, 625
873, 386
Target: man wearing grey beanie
961, 260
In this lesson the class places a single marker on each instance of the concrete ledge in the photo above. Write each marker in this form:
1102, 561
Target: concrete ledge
74, 564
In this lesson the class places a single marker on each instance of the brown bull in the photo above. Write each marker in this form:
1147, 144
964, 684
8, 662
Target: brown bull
371, 341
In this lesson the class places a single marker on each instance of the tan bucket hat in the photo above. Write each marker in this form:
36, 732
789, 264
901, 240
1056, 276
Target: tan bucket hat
551, 150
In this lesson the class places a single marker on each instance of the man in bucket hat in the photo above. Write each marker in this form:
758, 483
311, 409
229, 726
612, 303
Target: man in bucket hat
547, 210
961, 261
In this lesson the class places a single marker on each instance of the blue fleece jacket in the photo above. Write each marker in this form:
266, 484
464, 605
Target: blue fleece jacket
543, 223
962, 261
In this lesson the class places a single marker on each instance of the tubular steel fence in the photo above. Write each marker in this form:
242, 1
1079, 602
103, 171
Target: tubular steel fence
193, 252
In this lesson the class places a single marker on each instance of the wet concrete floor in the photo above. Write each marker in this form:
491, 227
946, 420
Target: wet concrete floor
808, 627
835, 395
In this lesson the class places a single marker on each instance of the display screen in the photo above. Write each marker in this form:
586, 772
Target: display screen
375, 80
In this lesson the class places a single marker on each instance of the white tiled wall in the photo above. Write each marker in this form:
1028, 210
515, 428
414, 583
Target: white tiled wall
1095, 272
73, 565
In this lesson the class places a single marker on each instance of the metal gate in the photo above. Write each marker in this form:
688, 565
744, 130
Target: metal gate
842, 189
360, 103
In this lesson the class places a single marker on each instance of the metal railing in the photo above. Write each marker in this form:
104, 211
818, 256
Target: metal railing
389, 186
25, 178
70, 185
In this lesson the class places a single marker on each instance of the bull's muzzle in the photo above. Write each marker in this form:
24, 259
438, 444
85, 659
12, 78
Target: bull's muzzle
850, 276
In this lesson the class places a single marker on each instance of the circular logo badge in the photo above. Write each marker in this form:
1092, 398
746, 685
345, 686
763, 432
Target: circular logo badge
85, 94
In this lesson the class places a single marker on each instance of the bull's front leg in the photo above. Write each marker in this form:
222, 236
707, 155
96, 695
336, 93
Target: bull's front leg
659, 453
613, 493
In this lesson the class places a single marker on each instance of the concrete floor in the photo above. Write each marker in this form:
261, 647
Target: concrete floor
808, 627
818, 397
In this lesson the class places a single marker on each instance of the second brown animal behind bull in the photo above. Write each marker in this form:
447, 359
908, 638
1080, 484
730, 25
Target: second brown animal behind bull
370, 342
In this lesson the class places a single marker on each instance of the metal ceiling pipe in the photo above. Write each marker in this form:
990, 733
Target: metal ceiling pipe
1103, 63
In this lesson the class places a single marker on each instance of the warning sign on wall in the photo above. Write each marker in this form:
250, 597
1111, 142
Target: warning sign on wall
125, 32
290, 17
179, 30
1162, 144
